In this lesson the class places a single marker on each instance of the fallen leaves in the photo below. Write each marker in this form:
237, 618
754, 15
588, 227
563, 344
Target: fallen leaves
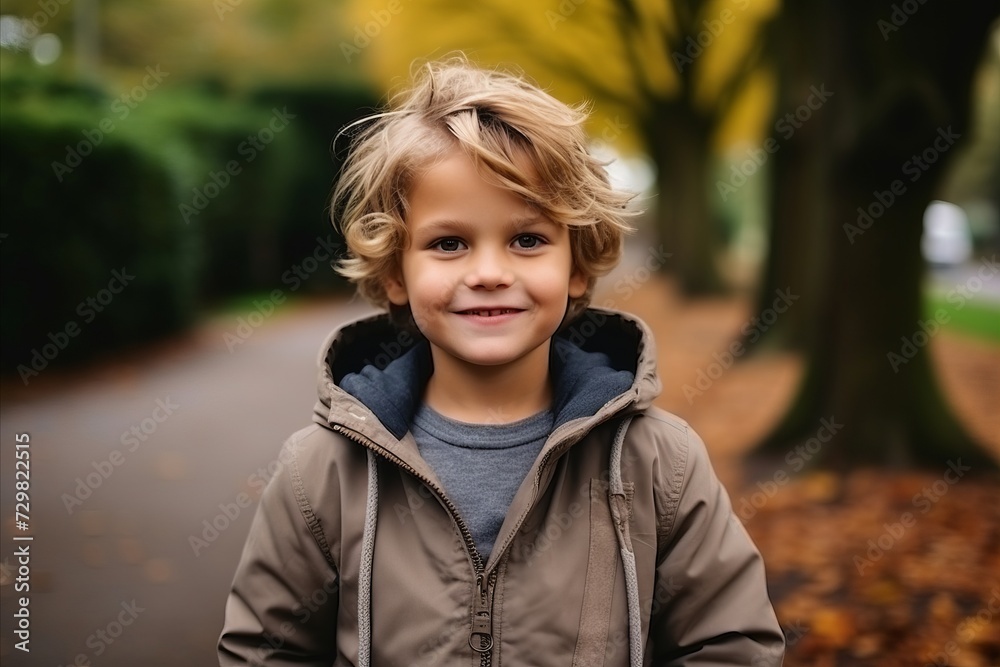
877, 577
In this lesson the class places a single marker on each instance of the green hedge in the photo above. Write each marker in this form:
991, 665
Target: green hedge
320, 113
80, 203
199, 196
234, 190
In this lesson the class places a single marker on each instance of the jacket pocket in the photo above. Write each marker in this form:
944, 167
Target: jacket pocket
603, 574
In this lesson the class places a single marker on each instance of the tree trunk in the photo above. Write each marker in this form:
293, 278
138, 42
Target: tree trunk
867, 363
797, 253
680, 143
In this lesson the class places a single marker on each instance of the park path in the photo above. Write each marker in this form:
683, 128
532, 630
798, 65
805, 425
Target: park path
120, 552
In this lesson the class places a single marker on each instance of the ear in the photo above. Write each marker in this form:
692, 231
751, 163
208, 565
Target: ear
578, 283
395, 289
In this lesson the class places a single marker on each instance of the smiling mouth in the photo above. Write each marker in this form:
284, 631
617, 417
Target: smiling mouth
493, 312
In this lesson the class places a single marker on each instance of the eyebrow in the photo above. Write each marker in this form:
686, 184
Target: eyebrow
514, 224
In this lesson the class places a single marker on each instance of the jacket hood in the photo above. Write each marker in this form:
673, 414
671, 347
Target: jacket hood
602, 355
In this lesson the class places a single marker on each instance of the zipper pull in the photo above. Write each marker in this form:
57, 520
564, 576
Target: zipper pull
481, 638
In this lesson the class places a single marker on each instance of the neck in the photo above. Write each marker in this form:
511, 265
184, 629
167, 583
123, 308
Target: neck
490, 394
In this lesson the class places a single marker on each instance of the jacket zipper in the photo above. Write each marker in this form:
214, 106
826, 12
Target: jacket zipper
482, 622
481, 638
481, 635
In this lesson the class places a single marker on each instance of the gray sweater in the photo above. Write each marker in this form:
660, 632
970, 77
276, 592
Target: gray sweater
480, 465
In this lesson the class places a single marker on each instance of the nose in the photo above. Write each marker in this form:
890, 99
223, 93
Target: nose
488, 270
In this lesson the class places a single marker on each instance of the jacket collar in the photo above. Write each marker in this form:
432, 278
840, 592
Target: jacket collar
370, 366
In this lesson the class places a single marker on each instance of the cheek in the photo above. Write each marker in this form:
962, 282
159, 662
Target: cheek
554, 281
430, 290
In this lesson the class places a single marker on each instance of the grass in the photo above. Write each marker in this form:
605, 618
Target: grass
980, 319
246, 303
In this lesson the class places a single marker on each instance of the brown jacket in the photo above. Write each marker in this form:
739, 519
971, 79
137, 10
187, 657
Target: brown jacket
620, 547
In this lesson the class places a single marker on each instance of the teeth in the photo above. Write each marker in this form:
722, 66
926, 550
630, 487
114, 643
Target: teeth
491, 313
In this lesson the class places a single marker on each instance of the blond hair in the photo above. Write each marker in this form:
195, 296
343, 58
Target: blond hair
499, 120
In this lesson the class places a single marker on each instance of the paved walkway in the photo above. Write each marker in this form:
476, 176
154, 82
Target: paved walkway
114, 577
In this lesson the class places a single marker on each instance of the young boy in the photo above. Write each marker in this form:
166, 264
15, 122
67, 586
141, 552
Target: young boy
486, 481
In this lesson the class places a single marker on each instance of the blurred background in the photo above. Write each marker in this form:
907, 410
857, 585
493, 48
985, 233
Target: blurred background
817, 255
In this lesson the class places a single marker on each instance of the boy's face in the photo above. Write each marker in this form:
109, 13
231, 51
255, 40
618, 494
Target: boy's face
487, 277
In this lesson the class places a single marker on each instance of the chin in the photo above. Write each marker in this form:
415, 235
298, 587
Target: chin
489, 360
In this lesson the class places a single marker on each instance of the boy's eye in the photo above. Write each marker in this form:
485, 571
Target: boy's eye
448, 245
527, 241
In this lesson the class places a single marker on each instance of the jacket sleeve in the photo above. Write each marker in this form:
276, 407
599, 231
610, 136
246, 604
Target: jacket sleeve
282, 609
712, 606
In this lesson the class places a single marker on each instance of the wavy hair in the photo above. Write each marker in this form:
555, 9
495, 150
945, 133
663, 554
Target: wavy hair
500, 120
